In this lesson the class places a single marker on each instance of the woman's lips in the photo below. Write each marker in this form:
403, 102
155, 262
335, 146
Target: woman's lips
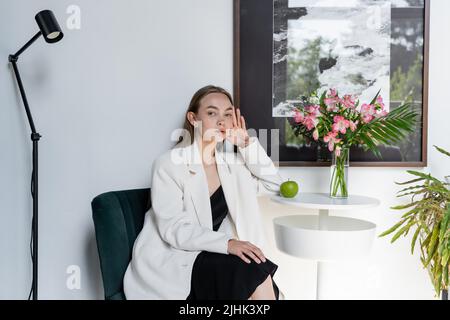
222, 134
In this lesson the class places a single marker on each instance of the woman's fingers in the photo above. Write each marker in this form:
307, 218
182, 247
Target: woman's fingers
258, 252
252, 255
234, 117
238, 116
246, 250
243, 123
241, 255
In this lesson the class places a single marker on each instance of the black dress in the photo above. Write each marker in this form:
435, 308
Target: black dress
217, 276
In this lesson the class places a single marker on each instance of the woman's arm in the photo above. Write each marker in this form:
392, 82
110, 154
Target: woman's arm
261, 166
172, 221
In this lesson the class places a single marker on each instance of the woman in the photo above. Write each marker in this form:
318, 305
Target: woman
203, 235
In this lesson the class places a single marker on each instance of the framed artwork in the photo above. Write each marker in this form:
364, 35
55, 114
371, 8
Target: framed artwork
285, 49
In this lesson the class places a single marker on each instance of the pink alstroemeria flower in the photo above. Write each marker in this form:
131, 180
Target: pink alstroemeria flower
310, 122
367, 112
340, 124
331, 139
380, 102
298, 116
382, 113
348, 101
313, 110
316, 134
332, 100
379, 108
353, 125
331, 104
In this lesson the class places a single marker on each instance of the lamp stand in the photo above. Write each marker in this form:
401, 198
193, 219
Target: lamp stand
51, 31
34, 179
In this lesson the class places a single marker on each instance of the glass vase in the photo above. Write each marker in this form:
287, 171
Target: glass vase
339, 174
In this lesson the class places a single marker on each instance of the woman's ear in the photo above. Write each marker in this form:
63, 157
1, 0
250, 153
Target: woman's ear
191, 117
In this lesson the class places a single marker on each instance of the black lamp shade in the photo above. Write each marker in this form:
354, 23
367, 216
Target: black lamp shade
49, 26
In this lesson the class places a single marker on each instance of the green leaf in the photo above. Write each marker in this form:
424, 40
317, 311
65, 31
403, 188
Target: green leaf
447, 236
413, 192
392, 128
404, 206
370, 144
410, 212
422, 175
411, 188
414, 239
442, 150
375, 98
445, 222
403, 230
322, 98
445, 258
392, 229
438, 277
445, 276
427, 240
437, 187
410, 181
431, 250
379, 136
391, 131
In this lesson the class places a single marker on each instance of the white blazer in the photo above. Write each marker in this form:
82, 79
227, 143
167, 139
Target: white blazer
178, 226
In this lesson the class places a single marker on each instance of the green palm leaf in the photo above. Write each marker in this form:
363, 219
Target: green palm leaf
410, 181
387, 130
423, 175
414, 239
375, 98
442, 150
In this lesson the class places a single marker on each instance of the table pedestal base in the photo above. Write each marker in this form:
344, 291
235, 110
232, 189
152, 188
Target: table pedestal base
323, 238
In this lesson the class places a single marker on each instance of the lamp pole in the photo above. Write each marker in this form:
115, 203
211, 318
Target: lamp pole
51, 31
34, 179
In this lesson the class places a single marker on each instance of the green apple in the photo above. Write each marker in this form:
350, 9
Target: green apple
289, 189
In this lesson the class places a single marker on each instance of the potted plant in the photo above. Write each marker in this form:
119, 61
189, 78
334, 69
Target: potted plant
428, 216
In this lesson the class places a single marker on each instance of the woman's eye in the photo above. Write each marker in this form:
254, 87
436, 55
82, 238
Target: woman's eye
229, 115
210, 113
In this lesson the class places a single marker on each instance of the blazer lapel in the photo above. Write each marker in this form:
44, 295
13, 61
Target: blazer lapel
227, 180
199, 184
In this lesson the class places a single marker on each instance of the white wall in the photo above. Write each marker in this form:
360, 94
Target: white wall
98, 98
105, 100
390, 272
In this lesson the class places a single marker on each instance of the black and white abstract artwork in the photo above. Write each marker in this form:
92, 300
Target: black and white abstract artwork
289, 48
333, 44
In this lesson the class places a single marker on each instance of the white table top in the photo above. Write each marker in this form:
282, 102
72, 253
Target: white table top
324, 201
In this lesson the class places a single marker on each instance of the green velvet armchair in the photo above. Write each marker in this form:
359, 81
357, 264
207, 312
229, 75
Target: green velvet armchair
118, 218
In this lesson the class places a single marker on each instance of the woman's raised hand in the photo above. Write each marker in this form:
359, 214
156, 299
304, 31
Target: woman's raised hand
244, 249
238, 135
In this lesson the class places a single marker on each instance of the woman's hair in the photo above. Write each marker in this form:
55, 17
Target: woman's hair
194, 106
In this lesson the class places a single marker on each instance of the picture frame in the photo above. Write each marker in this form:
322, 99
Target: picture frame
263, 72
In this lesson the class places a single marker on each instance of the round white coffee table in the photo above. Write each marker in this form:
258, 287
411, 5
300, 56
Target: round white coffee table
323, 237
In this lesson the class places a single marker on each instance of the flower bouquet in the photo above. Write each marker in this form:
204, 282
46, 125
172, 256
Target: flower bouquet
340, 122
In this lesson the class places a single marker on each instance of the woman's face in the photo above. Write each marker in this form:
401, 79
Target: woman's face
214, 116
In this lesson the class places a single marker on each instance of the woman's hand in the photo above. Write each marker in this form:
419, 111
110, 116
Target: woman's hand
238, 135
242, 249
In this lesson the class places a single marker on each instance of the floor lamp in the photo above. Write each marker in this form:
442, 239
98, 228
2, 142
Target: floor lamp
49, 28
